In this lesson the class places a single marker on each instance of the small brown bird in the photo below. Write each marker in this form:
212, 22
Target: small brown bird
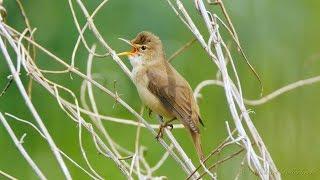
161, 87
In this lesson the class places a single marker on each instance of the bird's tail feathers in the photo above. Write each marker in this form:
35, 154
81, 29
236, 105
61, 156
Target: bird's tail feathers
197, 143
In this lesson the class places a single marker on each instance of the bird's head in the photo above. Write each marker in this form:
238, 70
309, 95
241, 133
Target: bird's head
146, 47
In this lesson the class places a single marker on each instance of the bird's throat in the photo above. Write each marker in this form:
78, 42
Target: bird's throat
135, 61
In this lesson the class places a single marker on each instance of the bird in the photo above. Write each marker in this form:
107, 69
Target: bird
161, 87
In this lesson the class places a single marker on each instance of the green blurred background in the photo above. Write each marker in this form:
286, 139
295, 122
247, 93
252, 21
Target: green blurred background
281, 39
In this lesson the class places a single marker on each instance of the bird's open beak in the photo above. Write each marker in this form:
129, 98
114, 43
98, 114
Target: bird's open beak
128, 53
124, 54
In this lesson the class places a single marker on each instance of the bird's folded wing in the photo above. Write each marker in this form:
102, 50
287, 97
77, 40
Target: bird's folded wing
175, 96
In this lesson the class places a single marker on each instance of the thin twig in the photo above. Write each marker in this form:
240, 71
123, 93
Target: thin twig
42, 135
161, 161
84, 155
137, 149
235, 37
33, 55
282, 90
240, 170
80, 134
223, 160
265, 99
81, 32
96, 119
216, 150
21, 148
6, 86
180, 50
7, 175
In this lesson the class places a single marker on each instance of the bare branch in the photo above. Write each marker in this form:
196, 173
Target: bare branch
33, 54
282, 90
10, 80
42, 135
21, 148
7, 175
267, 98
29, 104
223, 160
180, 50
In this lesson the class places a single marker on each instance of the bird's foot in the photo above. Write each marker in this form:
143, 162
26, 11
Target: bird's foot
170, 126
161, 128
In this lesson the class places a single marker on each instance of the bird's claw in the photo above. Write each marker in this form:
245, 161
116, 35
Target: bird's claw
160, 132
159, 135
161, 128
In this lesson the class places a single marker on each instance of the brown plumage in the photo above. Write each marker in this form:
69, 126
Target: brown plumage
162, 88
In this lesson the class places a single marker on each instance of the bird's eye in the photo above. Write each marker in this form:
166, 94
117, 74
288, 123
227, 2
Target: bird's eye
143, 47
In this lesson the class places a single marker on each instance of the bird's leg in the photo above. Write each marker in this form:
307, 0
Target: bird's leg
164, 125
160, 133
149, 112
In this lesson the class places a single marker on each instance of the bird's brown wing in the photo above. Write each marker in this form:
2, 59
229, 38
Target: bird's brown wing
176, 96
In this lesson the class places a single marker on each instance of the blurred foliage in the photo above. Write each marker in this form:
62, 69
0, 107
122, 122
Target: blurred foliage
281, 39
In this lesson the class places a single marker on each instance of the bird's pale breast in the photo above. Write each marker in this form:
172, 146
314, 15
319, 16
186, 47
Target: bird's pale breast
141, 81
